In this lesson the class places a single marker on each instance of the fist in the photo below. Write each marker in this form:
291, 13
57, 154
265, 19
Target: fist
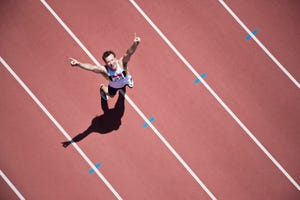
136, 39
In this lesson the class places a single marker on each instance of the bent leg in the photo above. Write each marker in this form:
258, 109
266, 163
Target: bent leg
104, 92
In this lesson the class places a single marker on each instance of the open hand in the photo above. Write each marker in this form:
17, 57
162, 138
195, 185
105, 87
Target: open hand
74, 62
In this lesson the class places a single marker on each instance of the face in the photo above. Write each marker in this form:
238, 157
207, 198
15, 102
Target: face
111, 62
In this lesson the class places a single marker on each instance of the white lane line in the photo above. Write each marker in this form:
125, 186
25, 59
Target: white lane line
134, 106
11, 185
267, 153
283, 69
62, 130
167, 144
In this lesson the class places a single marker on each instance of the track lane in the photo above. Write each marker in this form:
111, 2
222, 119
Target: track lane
31, 154
6, 191
276, 22
54, 83
152, 85
273, 101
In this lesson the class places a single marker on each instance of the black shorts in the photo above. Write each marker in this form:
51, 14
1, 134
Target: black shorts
113, 91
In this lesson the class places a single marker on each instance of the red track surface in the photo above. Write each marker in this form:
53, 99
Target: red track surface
133, 159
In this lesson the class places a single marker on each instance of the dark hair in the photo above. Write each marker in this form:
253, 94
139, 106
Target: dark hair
106, 54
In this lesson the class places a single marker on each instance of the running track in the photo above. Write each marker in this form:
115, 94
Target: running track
133, 159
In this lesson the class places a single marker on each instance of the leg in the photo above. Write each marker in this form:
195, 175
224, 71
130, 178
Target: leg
112, 91
104, 92
104, 89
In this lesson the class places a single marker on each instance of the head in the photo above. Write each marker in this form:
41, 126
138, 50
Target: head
109, 57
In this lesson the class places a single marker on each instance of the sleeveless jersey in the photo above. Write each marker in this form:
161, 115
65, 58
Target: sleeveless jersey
118, 78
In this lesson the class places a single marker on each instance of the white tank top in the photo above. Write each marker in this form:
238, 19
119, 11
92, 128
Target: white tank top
118, 79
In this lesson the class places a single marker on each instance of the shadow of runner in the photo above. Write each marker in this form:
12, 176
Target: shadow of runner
109, 121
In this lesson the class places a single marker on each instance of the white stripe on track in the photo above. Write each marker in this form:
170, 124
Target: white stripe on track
167, 144
11, 185
62, 130
283, 69
229, 111
134, 106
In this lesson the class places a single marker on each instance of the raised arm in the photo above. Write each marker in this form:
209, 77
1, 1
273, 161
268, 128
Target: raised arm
131, 50
89, 67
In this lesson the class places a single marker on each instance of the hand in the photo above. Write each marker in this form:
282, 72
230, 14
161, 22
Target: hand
136, 39
74, 62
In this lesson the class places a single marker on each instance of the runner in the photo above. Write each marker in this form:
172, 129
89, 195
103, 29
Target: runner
115, 70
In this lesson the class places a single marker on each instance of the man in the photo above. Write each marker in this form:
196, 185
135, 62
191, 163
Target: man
114, 70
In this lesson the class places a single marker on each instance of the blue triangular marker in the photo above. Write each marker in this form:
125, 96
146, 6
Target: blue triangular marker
248, 37
97, 166
203, 75
150, 120
197, 80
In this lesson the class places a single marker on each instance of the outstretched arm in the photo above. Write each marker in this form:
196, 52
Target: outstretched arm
87, 66
131, 50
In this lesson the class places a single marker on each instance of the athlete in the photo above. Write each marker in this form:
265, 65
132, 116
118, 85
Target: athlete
115, 70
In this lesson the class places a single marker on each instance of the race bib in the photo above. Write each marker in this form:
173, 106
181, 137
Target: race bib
117, 77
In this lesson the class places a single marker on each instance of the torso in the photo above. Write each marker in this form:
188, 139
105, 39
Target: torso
118, 78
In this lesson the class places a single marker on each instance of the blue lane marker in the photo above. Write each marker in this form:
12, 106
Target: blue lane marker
248, 37
202, 76
146, 124
97, 166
